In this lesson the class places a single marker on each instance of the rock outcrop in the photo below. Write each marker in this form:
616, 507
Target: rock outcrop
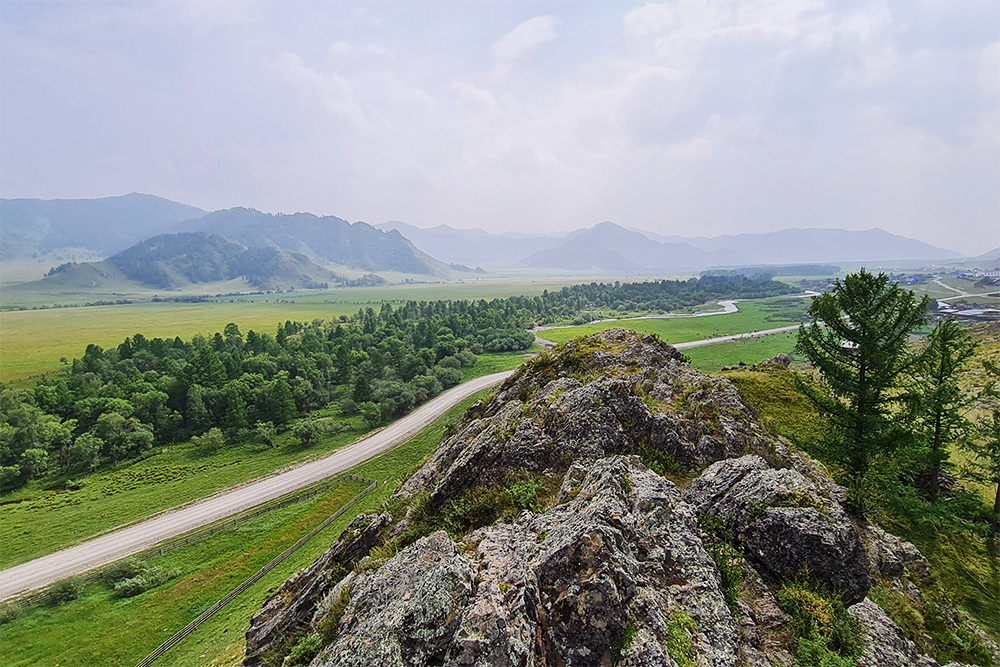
544, 531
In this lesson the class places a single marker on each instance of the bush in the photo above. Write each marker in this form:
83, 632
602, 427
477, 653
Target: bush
10, 478
824, 634
141, 583
680, 629
9, 612
304, 651
66, 590
123, 569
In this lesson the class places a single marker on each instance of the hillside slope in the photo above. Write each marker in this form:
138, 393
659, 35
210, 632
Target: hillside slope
546, 530
173, 261
104, 226
324, 239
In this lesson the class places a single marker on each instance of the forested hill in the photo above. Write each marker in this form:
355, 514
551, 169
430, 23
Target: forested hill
104, 226
170, 260
325, 239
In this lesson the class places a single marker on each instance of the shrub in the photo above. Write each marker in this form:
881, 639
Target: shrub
123, 569
304, 651
329, 624
66, 590
9, 612
823, 633
141, 583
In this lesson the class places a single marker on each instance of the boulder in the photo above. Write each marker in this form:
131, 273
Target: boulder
785, 522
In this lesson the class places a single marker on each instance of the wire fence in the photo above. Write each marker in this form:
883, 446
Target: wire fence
304, 494
211, 611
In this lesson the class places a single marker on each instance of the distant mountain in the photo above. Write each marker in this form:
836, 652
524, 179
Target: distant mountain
473, 247
36, 226
815, 246
991, 256
325, 239
172, 261
609, 247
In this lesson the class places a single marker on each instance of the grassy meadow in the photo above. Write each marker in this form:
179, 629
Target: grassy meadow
713, 358
98, 629
752, 316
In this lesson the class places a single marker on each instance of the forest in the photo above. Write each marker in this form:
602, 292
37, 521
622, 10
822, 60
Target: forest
113, 405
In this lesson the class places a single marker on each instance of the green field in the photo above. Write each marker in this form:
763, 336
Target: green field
98, 629
33, 341
753, 316
712, 358
35, 521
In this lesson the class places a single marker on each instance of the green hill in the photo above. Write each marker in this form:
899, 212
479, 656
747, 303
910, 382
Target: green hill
325, 239
173, 261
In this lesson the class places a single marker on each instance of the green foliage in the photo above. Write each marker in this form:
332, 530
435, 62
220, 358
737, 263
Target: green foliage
727, 556
984, 448
210, 442
680, 633
304, 651
823, 634
149, 578
934, 404
10, 612
622, 645
659, 462
858, 342
65, 590
327, 627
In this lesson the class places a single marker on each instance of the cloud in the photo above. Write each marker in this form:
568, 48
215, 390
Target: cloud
377, 50
521, 40
340, 48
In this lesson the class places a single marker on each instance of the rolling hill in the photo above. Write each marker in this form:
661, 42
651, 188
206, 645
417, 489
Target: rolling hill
474, 247
174, 261
325, 239
104, 226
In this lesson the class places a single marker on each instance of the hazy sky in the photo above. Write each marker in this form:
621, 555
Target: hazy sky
695, 118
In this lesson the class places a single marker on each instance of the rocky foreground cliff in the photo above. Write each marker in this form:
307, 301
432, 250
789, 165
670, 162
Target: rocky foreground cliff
607, 505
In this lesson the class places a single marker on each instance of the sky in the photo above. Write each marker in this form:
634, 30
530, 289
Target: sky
684, 117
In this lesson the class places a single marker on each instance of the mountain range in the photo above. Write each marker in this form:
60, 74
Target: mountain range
300, 242
613, 248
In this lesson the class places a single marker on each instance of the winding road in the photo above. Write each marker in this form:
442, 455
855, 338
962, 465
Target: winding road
108, 548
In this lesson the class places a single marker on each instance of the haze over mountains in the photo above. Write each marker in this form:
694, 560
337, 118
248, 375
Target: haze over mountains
165, 244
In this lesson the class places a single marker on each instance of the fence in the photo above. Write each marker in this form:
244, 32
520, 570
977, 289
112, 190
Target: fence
211, 611
208, 530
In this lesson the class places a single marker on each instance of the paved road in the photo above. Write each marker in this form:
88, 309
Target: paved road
114, 546
728, 339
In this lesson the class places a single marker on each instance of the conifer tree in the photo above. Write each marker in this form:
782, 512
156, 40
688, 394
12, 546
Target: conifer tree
858, 342
985, 448
935, 404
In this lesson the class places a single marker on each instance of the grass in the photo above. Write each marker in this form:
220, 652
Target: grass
753, 316
36, 521
99, 630
713, 358
33, 341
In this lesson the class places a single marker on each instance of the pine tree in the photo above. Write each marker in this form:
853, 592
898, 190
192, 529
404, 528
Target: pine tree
280, 400
935, 403
197, 416
858, 342
985, 449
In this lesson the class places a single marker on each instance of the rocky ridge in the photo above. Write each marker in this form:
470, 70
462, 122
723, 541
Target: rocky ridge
545, 531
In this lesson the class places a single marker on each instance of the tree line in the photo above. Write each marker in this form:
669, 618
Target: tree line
114, 404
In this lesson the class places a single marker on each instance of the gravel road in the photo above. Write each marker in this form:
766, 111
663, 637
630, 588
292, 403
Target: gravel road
114, 546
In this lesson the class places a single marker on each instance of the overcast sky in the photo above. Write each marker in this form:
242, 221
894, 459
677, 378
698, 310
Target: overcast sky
694, 118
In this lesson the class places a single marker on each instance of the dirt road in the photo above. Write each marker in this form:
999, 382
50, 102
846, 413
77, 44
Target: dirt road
114, 546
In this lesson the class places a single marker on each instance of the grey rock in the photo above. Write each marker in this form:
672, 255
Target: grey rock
293, 606
885, 645
785, 522
552, 588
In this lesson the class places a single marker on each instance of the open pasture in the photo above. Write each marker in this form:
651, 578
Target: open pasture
752, 316
713, 358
